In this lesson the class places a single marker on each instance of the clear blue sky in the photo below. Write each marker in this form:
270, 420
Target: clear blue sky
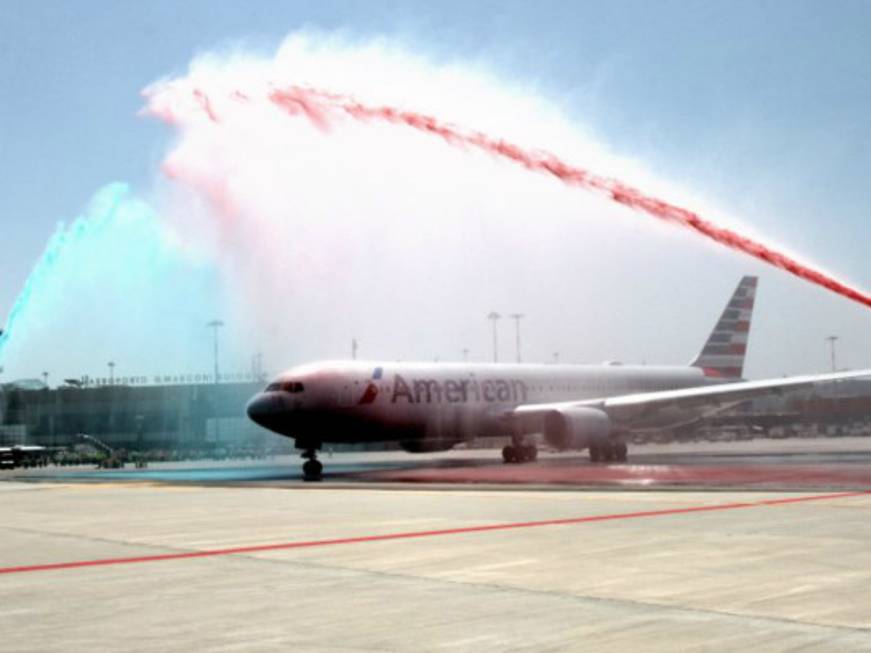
768, 101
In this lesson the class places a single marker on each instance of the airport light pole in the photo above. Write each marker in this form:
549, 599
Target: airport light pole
111, 372
353, 349
465, 354
216, 324
257, 366
494, 318
45, 378
832, 341
517, 317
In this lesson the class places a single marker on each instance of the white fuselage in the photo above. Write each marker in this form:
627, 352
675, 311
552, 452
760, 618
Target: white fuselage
439, 403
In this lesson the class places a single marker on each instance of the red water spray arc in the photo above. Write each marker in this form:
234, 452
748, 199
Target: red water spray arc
318, 106
315, 104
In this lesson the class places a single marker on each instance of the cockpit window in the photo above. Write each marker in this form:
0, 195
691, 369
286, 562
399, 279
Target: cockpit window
273, 387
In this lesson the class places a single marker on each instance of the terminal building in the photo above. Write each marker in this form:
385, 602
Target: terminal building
842, 408
198, 416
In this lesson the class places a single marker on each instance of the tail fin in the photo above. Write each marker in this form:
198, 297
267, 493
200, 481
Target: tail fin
724, 352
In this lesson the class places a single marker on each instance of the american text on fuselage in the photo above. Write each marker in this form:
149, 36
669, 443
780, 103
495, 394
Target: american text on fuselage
454, 391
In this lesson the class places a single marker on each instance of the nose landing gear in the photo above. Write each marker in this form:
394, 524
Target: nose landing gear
312, 468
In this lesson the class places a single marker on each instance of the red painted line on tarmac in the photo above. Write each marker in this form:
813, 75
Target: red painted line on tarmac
418, 534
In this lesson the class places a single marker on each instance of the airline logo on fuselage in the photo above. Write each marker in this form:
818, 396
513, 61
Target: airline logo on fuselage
459, 391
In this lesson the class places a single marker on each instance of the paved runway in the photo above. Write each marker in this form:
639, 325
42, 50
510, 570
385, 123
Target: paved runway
229, 556
156, 567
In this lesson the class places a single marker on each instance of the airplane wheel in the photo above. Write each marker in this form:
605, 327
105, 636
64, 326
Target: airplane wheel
595, 453
530, 453
312, 470
523, 453
621, 451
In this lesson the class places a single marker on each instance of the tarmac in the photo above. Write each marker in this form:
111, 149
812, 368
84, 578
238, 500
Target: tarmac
258, 563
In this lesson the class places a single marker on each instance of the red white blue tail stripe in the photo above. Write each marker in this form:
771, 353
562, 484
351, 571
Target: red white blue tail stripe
724, 352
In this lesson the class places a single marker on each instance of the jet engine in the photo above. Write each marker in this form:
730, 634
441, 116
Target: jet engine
576, 428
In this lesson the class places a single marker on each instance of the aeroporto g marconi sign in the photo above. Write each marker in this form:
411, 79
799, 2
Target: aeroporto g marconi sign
171, 379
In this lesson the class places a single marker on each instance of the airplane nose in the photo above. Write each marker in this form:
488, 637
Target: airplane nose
261, 408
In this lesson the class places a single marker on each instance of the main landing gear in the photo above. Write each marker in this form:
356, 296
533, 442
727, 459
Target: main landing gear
519, 452
312, 467
609, 451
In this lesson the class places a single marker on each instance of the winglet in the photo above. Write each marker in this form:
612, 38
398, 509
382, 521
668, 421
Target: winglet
724, 352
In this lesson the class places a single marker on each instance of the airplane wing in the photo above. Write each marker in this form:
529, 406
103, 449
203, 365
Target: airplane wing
670, 407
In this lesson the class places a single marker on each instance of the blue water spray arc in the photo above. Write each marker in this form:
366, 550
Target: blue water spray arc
109, 283
103, 208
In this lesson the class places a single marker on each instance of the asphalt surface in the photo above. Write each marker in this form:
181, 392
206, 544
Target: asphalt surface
394, 552
169, 567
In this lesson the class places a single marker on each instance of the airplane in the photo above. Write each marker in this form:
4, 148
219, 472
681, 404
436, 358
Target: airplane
428, 407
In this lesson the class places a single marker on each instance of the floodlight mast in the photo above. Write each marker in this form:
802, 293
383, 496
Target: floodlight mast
832, 342
494, 318
216, 324
517, 317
